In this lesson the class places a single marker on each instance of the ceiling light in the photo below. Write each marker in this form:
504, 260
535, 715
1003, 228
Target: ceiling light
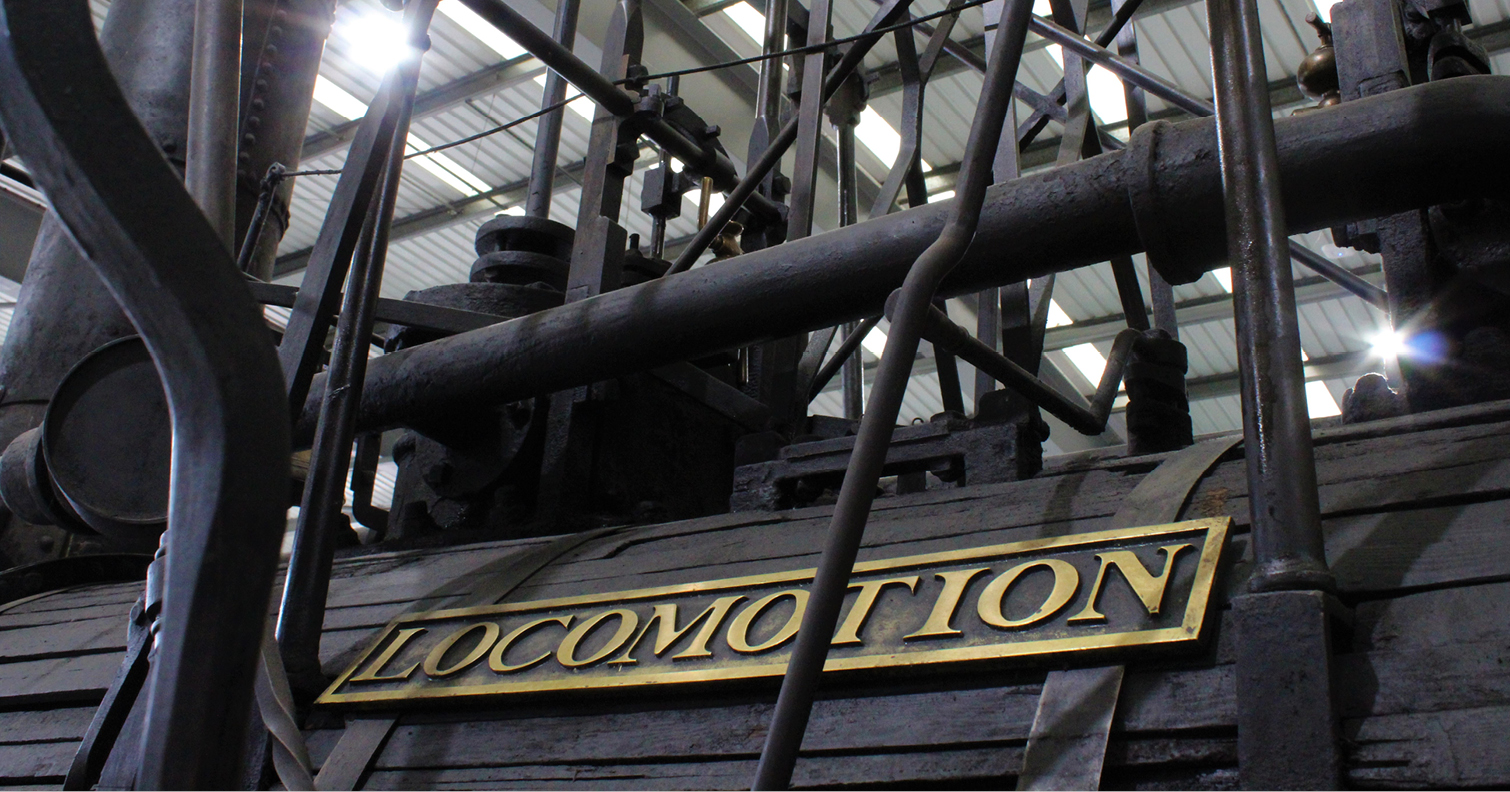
940, 197
338, 100
1223, 277
1388, 344
469, 21
751, 21
1088, 360
1319, 401
513, 211
1043, 8
577, 103
375, 41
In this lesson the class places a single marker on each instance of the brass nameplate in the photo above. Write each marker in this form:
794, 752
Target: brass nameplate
1111, 590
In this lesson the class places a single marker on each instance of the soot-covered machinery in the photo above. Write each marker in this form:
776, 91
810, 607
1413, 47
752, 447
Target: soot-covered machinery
582, 381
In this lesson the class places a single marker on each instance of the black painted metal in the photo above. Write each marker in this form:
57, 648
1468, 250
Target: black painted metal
265, 195
952, 338
846, 351
114, 191
65, 311
1360, 159
914, 301
700, 156
301, 617
1281, 468
303, 345
755, 174
548, 134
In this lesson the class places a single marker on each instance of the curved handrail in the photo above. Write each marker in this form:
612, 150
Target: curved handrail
126, 209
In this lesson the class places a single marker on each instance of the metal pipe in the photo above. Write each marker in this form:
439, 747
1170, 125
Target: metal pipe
214, 91
548, 134
913, 302
1361, 159
757, 172
301, 617
1283, 503
1334, 272
1130, 72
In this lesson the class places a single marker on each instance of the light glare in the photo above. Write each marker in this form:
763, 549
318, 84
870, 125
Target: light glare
1388, 344
1223, 278
376, 42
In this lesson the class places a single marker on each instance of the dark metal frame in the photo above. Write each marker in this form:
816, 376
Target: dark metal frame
124, 204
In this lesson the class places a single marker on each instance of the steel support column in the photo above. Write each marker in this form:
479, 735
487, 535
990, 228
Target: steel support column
1287, 726
214, 88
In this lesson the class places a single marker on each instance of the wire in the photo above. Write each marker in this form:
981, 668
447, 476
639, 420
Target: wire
810, 47
680, 72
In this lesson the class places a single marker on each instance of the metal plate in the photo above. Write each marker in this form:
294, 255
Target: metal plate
1111, 591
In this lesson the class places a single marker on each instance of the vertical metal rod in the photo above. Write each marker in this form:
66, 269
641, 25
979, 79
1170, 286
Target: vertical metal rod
265, 195
548, 134
214, 94
301, 616
768, 94
658, 222
1287, 542
909, 316
809, 123
852, 380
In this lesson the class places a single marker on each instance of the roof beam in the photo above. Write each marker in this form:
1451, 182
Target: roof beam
1198, 311
1346, 364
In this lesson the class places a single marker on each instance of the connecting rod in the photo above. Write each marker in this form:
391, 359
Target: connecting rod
1360, 159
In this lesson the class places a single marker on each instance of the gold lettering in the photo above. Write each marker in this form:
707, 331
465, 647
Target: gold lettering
870, 591
1066, 582
496, 659
668, 633
567, 653
947, 603
739, 629
1149, 589
438, 654
392, 650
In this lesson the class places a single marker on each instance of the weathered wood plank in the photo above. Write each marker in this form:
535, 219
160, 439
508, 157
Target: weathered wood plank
1456, 748
36, 761
66, 679
89, 635
25, 726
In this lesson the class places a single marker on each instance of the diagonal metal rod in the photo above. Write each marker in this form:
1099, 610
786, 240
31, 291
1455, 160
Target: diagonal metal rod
912, 303
783, 141
846, 349
301, 616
